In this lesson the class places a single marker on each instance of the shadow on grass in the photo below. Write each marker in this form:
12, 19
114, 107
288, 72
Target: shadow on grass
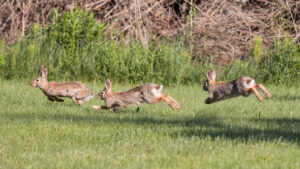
279, 121
269, 129
266, 129
245, 134
119, 117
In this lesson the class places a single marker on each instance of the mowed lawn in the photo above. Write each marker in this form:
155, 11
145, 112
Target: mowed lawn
236, 133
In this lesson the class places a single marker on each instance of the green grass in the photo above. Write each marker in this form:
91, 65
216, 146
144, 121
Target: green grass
236, 133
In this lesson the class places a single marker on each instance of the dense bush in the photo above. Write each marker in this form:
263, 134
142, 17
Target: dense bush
75, 47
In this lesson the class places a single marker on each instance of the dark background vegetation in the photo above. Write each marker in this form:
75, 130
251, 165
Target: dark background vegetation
170, 42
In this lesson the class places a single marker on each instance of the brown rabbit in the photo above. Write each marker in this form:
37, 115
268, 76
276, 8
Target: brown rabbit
149, 93
242, 86
78, 91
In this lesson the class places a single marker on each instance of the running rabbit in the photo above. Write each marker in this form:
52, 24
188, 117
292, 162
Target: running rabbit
242, 86
78, 91
149, 93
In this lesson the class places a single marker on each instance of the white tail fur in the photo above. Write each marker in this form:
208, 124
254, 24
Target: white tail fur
249, 84
160, 87
157, 91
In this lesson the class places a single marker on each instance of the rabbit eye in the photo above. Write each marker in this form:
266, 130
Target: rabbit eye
37, 80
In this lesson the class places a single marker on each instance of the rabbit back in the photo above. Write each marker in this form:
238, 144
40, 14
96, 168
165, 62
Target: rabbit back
148, 92
237, 87
68, 89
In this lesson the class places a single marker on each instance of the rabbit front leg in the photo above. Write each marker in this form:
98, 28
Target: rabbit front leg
100, 107
58, 99
108, 105
209, 100
50, 98
213, 97
55, 98
113, 106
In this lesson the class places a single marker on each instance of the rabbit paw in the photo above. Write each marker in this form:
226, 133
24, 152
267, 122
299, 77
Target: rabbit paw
96, 107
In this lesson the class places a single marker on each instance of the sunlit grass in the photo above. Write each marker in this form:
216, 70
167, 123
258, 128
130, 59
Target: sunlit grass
236, 133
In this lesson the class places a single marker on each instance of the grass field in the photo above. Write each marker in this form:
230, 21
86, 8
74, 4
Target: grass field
236, 133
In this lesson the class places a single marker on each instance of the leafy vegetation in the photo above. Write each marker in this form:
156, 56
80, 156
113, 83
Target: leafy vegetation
280, 66
75, 47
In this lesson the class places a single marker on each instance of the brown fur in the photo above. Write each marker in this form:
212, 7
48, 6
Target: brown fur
149, 93
242, 86
78, 91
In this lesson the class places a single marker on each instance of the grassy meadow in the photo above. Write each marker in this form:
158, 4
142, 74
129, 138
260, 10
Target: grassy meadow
236, 133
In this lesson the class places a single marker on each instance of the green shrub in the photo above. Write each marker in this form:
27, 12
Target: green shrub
75, 47
2, 54
282, 67
258, 49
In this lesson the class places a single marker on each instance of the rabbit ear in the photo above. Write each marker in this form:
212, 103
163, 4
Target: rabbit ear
107, 84
208, 75
43, 72
213, 75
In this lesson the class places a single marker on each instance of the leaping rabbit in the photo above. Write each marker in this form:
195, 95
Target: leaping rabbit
149, 93
242, 86
78, 91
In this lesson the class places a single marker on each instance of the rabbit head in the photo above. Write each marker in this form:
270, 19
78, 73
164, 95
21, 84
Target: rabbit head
211, 77
205, 85
106, 92
40, 81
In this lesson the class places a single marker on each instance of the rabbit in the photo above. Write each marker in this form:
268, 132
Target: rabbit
78, 91
242, 86
148, 92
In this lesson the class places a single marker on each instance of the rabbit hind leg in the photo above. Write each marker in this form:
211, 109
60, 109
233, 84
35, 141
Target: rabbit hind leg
75, 101
170, 101
255, 92
264, 90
